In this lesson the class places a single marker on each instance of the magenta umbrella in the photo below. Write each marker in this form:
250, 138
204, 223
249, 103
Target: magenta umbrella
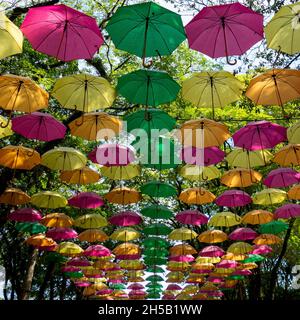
215, 279
201, 271
70, 269
39, 126
185, 258
110, 154
282, 178
212, 251
25, 215
135, 286
125, 219
104, 292
97, 250
242, 234
287, 211
224, 30
59, 234
79, 262
261, 249
227, 264
233, 198
86, 200
259, 135
244, 272
82, 284
137, 293
62, 32
128, 256
193, 217
202, 157
173, 287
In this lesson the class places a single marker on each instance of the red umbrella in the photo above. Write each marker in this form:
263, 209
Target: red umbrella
62, 32
25, 215
125, 219
86, 200
224, 30
282, 178
243, 234
205, 157
287, 211
59, 234
39, 126
193, 217
233, 198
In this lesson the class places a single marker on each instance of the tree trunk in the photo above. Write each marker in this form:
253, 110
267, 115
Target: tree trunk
48, 275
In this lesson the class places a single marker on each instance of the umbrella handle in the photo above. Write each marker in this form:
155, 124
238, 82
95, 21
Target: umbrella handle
232, 63
147, 64
80, 123
5, 125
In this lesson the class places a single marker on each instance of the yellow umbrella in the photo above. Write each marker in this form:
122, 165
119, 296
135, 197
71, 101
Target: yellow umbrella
269, 196
224, 219
96, 126
125, 234
288, 155
19, 157
40, 240
121, 172
49, 199
131, 264
199, 173
14, 197
202, 266
234, 256
93, 235
182, 250
239, 248
84, 92
11, 36
6, 131
212, 89
247, 266
240, 178
69, 249
248, 159
266, 239
293, 133
203, 133
178, 266
123, 196
64, 158
84, 175
208, 259
104, 264
190, 289
257, 217
294, 192
182, 234
212, 236
57, 220
90, 221
127, 248
196, 196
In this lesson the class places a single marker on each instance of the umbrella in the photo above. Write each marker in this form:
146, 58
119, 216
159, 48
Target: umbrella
211, 251
158, 189
59, 233
282, 31
157, 229
155, 242
266, 239
81, 176
196, 196
125, 234
6, 131
212, 236
239, 248
39, 126
90, 221
212, 89
199, 173
242, 234
224, 219
203, 133
202, 157
93, 235
40, 240
293, 133
69, 249
125, 219
261, 249
257, 217
248, 159
127, 248
273, 227
148, 87
97, 250
240, 178
84, 92
264, 135
96, 126
269, 196
49, 199
25, 215
294, 192
154, 269
288, 155
146, 30
31, 227
182, 249
287, 211
225, 30
62, 32
14, 197
281, 178
254, 258
19, 157
228, 264
233, 198
57, 220
86, 200
193, 217
121, 172
123, 196
182, 234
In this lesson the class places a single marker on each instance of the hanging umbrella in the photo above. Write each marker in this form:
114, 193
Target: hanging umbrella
233, 198
157, 229
64, 158
212, 236
202, 157
125, 219
242, 234
57, 220
81, 176
196, 196
62, 32
228, 264
14, 197
294, 192
127, 248
257, 217
6, 131
225, 30
86, 200
192, 217
240, 178
182, 249
25, 215
239, 248
49, 199
90, 221
266, 239
125, 234
224, 219
288, 155
69, 249
19, 157
281, 178
59, 234
182, 234
39, 126
127, 172
287, 211
269, 196
199, 173
264, 135
293, 133
248, 159
31, 227
97, 250
148, 87
146, 30
211, 251
261, 249
158, 189
273, 227
40, 240
123, 196
93, 235
155, 242
254, 258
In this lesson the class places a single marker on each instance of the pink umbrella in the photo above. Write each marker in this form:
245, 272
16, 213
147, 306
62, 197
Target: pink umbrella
214, 293
168, 297
287, 211
97, 250
233, 198
261, 249
212, 251
201, 271
104, 292
110, 154
125, 219
39, 126
282, 178
135, 286
227, 264
244, 272
79, 262
62, 32
193, 217
215, 279
259, 135
224, 30
186, 258
243, 234
137, 293
128, 256
70, 269
86, 200
25, 215
116, 280
82, 284
59, 234
205, 157
173, 287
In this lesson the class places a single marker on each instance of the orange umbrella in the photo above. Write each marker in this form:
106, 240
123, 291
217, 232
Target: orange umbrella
196, 196
240, 177
182, 250
212, 236
266, 239
57, 220
80, 176
40, 240
127, 248
288, 155
93, 235
14, 197
233, 256
294, 192
257, 217
123, 196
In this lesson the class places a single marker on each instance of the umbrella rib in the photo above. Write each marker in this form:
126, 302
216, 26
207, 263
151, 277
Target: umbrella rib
235, 38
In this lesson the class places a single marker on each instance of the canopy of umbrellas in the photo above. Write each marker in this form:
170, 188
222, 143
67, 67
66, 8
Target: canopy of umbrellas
232, 245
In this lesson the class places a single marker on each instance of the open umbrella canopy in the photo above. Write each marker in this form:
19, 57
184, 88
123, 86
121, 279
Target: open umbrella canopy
157, 229
157, 211
81, 176
62, 32
196, 196
123, 196
127, 248
269, 196
273, 227
31, 227
57, 220
239, 248
93, 235
199, 173
182, 234
90, 221
158, 189
25, 215
125, 219
281, 178
125, 234
40, 240
14, 197
59, 234
121, 172
240, 178
212, 236
267, 239
248, 159
287, 211
86, 200
49, 199
182, 249
155, 242
211, 251
242, 234
205, 156
69, 249
233, 198
224, 219
257, 217
294, 192
192, 217
288, 155
293, 133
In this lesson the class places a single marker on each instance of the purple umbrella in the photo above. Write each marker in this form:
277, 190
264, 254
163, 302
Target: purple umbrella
125, 219
233, 198
97, 250
287, 211
282, 178
193, 217
243, 234
205, 157
59, 234
86, 200
25, 215
212, 251
259, 135
39, 126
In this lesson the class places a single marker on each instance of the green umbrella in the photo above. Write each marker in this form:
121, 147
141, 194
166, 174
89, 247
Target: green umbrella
146, 30
155, 242
235, 277
157, 229
157, 211
117, 286
158, 189
253, 258
147, 87
155, 269
273, 227
75, 274
154, 278
154, 285
155, 260
55, 257
31, 227
153, 295
156, 251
